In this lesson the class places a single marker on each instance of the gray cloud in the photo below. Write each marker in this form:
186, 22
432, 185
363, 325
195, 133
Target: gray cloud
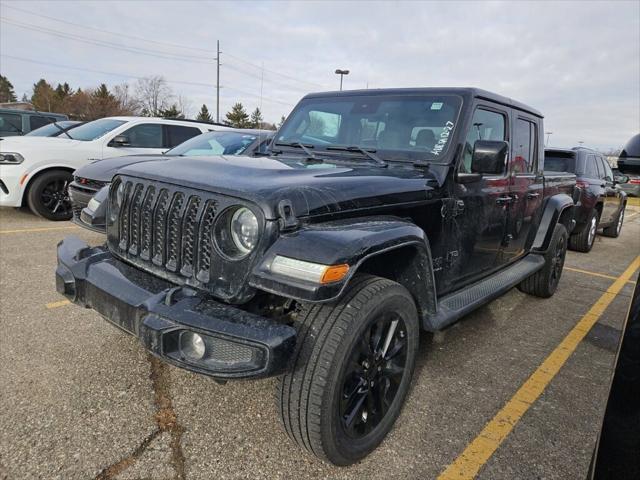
577, 62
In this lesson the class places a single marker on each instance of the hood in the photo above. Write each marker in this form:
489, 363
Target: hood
104, 170
312, 188
11, 144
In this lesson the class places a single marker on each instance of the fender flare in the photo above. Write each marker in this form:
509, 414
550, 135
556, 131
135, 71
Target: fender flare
352, 242
556, 205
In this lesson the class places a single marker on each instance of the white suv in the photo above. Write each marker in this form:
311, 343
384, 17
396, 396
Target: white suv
37, 170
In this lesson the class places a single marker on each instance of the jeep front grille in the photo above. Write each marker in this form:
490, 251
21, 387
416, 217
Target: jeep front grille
167, 230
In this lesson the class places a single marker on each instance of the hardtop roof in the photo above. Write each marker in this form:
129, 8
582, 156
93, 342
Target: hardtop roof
466, 92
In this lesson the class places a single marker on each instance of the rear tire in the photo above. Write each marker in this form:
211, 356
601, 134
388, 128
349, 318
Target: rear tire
48, 196
583, 241
346, 389
544, 282
614, 230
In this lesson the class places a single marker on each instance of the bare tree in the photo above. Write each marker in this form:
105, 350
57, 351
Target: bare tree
153, 95
127, 102
184, 105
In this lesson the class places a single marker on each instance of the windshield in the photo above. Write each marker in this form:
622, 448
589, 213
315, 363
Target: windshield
214, 143
398, 127
560, 162
96, 129
51, 130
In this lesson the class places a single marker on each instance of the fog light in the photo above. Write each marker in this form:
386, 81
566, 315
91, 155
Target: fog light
192, 345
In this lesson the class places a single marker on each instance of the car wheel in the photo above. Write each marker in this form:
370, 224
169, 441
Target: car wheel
545, 281
352, 370
583, 241
48, 195
615, 229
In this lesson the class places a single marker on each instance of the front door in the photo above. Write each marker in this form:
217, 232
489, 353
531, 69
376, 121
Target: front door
144, 138
526, 186
477, 230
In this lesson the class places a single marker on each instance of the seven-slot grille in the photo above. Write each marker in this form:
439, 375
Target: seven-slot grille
161, 227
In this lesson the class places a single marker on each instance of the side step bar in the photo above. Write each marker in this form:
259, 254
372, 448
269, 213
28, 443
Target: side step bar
458, 304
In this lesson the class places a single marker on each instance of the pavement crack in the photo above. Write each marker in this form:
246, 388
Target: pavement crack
166, 421
112, 470
165, 416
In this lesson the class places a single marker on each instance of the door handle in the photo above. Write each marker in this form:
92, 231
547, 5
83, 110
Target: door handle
503, 200
531, 196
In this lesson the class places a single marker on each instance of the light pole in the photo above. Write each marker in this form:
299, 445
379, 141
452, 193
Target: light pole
342, 73
548, 135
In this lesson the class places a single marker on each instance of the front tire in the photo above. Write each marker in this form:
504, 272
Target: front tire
614, 230
545, 281
48, 196
352, 370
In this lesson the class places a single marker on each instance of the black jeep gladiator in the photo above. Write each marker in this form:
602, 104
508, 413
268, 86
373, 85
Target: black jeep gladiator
377, 214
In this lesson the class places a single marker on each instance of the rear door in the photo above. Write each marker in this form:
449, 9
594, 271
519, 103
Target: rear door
526, 185
176, 134
611, 193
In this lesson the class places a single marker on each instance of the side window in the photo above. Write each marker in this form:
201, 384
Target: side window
145, 135
36, 121
485, 125
10, 122
179, 134
590, 168
598, 164
524, 146
608, 174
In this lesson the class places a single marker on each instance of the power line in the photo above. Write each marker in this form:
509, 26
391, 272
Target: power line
102, 72
123, 35
172, 45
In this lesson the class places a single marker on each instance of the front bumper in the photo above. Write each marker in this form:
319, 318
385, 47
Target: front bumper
239, 344
82, 214
11, 194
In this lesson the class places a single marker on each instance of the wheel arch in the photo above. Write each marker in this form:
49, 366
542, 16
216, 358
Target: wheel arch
39, 172
559, 208
388, 247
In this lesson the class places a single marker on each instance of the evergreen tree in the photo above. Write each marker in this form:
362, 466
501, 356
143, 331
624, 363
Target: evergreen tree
237, 117
256, 118
63, 91
171, 112
204, 115
282, 119
6, 90
44, 97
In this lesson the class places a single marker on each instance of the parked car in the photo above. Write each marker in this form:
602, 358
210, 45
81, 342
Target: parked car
20, 122
602, 202
629, 167
378, 213
55, 129
37, 170
90, 179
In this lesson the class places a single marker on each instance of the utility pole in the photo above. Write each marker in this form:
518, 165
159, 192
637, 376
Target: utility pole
548, 135
218, 84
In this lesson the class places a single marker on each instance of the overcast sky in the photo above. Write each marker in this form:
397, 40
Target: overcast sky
577, 62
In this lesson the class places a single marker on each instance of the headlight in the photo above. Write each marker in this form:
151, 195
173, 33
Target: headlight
11, 158
115, 201
236, 232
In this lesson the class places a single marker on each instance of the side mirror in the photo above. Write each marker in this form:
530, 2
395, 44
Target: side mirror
489, 157
620, 179
119, 141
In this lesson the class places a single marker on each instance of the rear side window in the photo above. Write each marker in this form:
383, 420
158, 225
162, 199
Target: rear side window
485, 125
590, 168
145, 135
36, 121
607, 173
178, 134
524, 146
10, 122
559, 162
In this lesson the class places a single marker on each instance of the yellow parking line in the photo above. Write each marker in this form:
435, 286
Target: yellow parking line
29, 230
480, 450
595, 274
61, 303
629, 217
633, 201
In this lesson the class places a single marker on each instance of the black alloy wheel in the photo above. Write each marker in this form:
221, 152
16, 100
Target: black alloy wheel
373, 374
48, 195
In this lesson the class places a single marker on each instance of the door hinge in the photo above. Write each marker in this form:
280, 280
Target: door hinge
287, 220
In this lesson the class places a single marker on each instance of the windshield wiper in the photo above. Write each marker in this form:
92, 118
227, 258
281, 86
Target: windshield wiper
303, 147
61, 129
355, 148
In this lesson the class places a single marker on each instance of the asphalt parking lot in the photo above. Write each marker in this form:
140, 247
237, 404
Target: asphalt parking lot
79, 399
